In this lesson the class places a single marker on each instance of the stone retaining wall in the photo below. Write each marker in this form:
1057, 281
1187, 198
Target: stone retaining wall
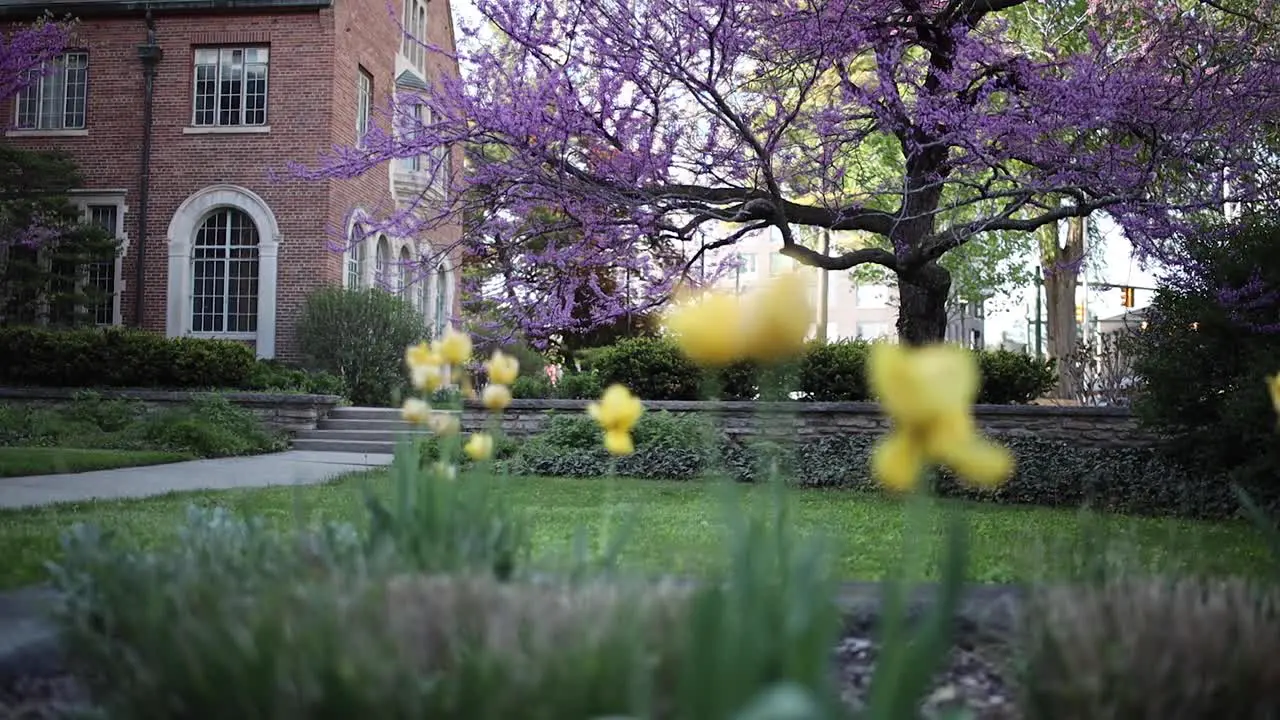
283, 411
1087, 426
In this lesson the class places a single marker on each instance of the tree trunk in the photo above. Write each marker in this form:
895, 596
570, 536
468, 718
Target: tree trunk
922, 304
1061, 262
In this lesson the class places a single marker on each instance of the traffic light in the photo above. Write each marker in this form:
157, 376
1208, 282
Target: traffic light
1079, 314
1126, 297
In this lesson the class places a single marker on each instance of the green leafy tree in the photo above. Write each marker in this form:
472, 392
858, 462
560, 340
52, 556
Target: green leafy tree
47, 249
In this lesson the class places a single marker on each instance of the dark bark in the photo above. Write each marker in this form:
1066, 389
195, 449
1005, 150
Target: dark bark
922, 304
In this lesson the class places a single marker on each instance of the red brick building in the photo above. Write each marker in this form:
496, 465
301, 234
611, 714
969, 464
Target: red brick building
214, 245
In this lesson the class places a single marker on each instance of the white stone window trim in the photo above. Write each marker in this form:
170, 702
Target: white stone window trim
83, 200
182, 231
357, 217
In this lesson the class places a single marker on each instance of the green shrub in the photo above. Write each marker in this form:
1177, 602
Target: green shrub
275, 376
120, 358
1014, 378
1209, 343
578, 386
653, 368
360, 336
532, 387
210, 427
831, 372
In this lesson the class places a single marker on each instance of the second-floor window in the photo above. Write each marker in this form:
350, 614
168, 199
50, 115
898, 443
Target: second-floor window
414, 18
56, 95
230, 87
364, 104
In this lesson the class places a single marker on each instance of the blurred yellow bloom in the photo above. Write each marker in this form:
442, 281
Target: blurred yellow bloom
443, 423
618, 442
502, 368
778, 317
916, 385
1273, 387
415, 411
768, 324
479, 446
709, 330
618, 409
928, 393
454, 347
426, 377
420, 355
897, 461
496, 397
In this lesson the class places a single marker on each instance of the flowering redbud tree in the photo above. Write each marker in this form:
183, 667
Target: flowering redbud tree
25, 50
656, 130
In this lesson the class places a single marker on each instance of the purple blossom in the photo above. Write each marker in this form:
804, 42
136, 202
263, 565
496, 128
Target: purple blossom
25, 50
628, 137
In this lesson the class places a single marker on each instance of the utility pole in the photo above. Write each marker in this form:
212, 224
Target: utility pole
1039, 312
823, 284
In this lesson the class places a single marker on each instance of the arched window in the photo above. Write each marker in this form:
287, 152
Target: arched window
224, 274
441, 315
424, 298
382, 264
355, 258
406, 269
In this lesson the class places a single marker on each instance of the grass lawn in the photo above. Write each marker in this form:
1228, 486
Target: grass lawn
678, 528
19, 461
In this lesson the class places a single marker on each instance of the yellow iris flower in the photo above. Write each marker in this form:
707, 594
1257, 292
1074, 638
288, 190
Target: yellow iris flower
502, 368
617, 413
454, 347
496, 397
768, 324
928, 393
415, 411
479, 446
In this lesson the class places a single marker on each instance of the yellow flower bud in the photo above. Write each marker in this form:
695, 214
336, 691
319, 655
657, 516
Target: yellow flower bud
479, 446
618, 409
777, 319
502, 368
454, 347
426, 377
420, 355
618, 442
443, 424
415, 411
496, 397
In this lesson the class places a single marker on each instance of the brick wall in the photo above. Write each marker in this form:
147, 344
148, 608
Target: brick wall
1084, 426
311, 107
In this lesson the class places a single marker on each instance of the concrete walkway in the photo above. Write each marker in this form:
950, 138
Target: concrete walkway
295, 467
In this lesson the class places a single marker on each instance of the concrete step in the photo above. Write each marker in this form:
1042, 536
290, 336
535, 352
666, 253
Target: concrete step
364, 413
386, 426
374, 435
372, 447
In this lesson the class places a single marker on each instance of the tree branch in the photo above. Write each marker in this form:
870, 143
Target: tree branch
853, 258
935, 246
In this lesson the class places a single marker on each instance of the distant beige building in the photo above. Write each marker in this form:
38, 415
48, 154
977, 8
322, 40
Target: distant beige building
854, 310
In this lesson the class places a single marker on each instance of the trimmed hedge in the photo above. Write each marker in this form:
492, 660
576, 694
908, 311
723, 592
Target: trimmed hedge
130, 358
1049, 473
655, 369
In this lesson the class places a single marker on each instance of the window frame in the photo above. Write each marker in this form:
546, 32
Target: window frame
364, 104
38, 85
354, 259
217, 85
226, 261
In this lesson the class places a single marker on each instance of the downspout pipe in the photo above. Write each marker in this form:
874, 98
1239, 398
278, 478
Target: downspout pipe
150, 54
